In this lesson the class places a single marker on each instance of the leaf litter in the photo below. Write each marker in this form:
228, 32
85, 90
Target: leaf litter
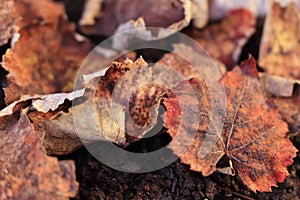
259, 166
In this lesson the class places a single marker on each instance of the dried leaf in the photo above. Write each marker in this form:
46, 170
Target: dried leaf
61, 136
280, 48
48, 115
224, 41
155, 14
6, 21
27, 171
253, 135
47, 56
135, 105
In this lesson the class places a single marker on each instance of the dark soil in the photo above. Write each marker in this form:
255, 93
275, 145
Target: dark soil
176, 181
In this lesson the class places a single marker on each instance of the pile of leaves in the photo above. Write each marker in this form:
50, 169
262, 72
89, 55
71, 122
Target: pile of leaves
44, 55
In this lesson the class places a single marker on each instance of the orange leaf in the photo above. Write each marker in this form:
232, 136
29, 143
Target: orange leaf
253, 135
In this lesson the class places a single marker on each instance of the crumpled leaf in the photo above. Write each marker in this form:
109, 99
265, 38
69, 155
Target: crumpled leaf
131, 111
6, 21
154, 14
280, 48
224, 41
49, 116
26, 170
253, 135
47, 56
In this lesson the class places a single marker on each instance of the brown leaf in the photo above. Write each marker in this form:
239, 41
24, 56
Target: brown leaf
47, 56
135, 105
155, 14
253, 135
224, 41
6, 21
27, 172
280, 47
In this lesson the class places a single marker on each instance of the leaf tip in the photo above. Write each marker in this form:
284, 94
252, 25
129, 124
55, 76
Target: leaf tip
249, 67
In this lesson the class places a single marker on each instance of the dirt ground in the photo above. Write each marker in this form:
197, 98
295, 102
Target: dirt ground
176, 181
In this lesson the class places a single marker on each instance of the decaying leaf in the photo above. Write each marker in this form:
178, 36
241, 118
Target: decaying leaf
47, 56
49, 116
280, 47
124, 85
26, 171
155, 14
6, 21
253, 135
224, 41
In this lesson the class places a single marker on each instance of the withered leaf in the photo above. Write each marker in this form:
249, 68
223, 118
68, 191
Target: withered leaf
280, 47
6, 21
253, 135
126, 86
49, 116
26, 170
47, 56
224, 41
155, 14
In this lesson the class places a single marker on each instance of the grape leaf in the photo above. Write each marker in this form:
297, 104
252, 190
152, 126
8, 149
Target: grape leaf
253, 135
280, 47
27, 172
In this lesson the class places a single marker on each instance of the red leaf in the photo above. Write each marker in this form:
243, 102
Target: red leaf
253, 135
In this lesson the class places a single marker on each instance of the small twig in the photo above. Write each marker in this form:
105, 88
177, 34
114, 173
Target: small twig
235, 193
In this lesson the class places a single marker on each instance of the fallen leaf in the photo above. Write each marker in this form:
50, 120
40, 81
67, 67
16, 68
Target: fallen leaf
6, 21
47, 56
280, 46
27, 172
224, 41
49, 114
253, 135
159, 14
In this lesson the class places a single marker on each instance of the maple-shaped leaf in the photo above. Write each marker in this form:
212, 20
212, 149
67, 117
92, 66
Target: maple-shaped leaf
224, 41
26, 171
280, 47
253, 135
